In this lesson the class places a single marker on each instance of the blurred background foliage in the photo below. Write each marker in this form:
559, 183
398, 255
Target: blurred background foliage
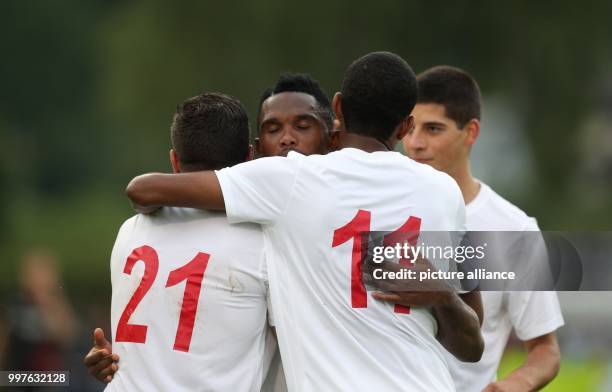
88, 90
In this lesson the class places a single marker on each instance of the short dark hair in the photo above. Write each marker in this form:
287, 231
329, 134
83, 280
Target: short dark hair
210, 131
300, 83
453, 88
378, 91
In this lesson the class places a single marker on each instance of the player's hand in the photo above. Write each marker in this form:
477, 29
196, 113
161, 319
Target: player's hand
514, 385
417, 298
407, 292
100, 361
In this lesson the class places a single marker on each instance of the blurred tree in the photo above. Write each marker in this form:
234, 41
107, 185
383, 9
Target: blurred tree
48, 77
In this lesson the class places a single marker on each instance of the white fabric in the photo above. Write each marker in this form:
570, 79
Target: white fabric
325, 343
275, 380
530, 313
229, 347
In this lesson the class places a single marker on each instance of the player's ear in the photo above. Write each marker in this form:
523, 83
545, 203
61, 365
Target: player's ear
174, 161
337, 107
249, 156
405, 126
334, 139
257, 146
472, 131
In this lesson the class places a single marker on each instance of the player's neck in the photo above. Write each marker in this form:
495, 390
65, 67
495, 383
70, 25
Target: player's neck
361, 142
468, 184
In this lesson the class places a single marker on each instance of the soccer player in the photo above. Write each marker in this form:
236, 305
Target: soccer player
188, 289
447, 124
294, 115
313, 210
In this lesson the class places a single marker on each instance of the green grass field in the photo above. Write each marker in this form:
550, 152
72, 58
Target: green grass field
582, 376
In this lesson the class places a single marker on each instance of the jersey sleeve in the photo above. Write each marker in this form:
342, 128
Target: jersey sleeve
534, 313
258, 191
528, 257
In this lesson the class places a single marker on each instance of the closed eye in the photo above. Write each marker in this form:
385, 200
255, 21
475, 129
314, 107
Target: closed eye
271, 128
303, 125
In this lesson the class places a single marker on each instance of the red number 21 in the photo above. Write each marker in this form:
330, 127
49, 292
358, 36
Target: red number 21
360, 224
192, 272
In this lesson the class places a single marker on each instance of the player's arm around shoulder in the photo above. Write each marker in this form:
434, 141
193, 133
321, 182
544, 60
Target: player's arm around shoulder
459, 320
150, 191
459, 316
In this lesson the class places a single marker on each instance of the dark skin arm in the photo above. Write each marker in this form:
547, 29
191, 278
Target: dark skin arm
540, 367
149, 192
459, 316
459, 326
474, 301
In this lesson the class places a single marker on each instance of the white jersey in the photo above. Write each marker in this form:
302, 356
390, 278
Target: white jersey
530, 313
189, 303
333, 336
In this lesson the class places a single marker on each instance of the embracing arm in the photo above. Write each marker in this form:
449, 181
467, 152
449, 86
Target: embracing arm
459, 319
459, 316
197, 190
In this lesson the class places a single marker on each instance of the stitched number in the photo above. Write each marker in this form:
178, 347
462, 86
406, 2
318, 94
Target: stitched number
192, 272
407, 233
133, 332
354, 230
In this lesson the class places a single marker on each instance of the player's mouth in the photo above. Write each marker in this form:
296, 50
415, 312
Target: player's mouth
423, 160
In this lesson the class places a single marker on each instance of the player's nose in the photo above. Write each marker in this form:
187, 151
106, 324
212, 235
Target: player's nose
287, 138
416, 140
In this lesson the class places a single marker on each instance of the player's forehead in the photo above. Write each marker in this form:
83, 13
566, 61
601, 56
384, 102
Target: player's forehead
287, 105
430, 112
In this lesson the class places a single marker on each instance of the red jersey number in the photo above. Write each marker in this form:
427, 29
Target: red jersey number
192, 272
